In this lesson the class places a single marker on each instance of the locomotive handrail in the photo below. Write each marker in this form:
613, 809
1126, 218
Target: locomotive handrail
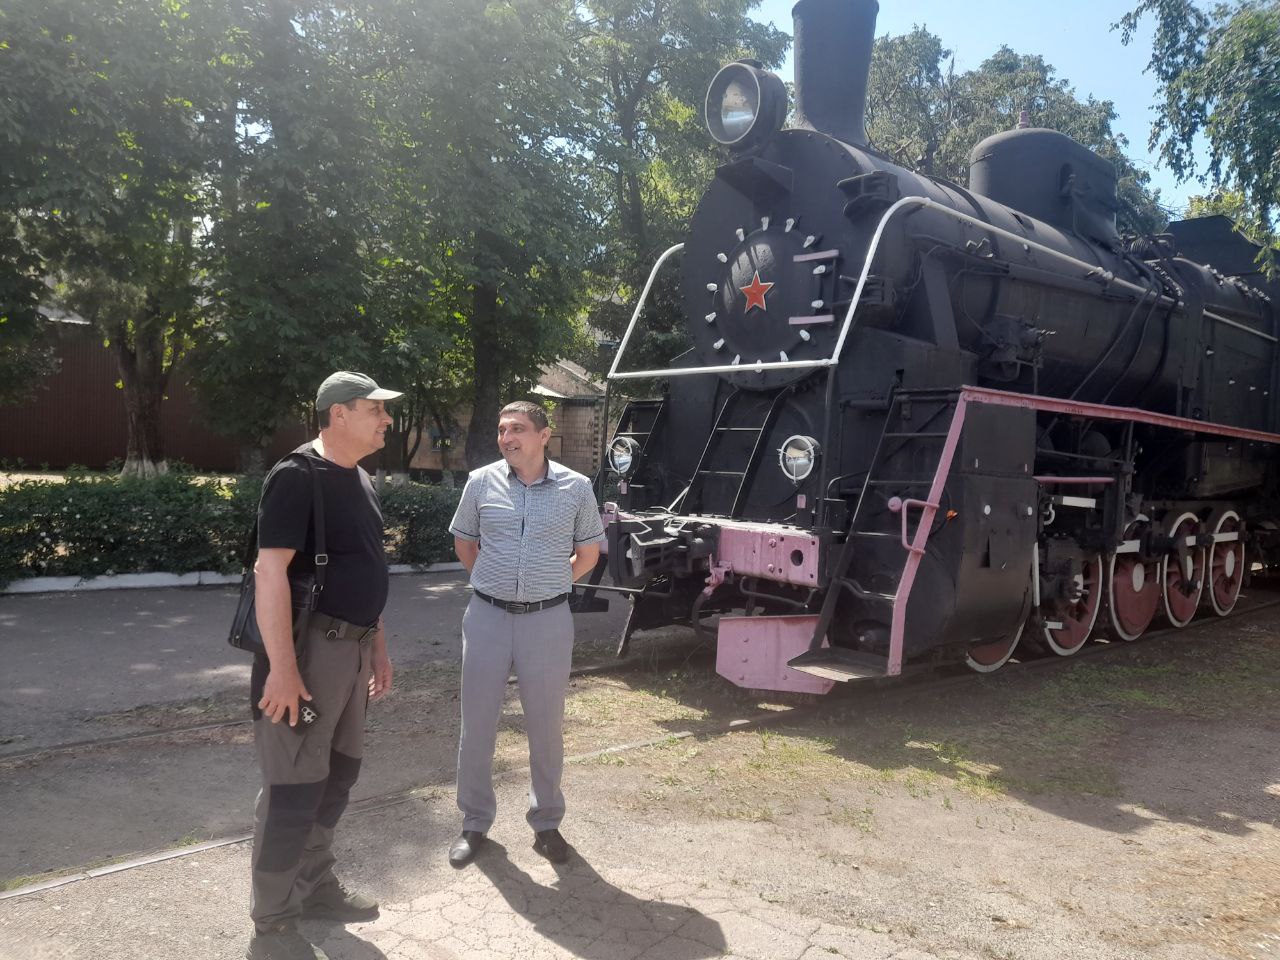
918, 203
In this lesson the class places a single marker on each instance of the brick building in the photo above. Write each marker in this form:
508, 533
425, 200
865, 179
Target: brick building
577, 413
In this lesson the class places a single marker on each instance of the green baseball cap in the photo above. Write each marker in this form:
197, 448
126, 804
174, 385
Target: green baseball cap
345, 386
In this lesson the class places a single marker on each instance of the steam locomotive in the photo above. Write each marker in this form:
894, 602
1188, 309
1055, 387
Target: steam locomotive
921, 422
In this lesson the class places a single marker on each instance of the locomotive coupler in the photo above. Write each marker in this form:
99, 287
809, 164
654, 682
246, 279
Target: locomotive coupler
641, 548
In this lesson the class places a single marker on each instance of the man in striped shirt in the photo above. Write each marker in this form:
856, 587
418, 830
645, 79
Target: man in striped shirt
525, 529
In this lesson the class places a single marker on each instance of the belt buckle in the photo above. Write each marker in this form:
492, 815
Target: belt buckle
514, 606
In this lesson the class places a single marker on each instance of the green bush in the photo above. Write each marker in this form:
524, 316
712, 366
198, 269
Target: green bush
92, 525
417, 518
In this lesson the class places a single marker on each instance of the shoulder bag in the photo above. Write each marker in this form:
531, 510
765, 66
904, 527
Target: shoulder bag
305, 590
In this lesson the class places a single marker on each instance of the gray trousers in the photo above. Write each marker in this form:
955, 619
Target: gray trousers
306, 777
539, 646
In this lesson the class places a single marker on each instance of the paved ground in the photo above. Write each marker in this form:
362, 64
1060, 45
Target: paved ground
1122, 807
71, 659
632, 893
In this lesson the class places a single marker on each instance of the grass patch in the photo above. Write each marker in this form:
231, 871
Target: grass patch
863, 819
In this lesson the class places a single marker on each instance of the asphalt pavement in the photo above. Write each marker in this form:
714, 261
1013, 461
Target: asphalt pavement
652, 891
69, 658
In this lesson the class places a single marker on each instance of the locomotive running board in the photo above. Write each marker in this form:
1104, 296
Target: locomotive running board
823, 661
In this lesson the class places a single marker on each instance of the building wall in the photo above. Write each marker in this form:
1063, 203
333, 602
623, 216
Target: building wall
578, 423
575, 439
77, 417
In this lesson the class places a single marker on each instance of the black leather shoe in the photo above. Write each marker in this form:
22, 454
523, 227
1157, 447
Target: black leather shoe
333, 901
465, 847
551, 845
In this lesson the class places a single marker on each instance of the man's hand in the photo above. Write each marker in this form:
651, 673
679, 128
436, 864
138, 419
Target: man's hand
281, 693
380, 660
380, 679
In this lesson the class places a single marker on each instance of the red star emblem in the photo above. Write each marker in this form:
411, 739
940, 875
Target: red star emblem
755, 291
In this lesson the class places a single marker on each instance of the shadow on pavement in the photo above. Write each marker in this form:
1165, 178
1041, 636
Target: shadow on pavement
590, 917
339, 943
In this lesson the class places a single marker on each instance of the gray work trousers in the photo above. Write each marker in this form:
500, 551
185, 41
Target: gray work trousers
307, 776
539, 646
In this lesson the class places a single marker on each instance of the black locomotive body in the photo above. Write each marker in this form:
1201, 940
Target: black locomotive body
923, 420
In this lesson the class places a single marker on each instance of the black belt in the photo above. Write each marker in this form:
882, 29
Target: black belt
515, 606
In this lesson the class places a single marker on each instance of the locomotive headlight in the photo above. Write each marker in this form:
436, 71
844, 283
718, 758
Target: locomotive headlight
623, 454
745, 105
798, 457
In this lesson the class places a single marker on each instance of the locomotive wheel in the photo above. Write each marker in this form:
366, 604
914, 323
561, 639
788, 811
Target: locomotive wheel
1133, 590
990, 657
1179, 605
1226, 565
1078, 617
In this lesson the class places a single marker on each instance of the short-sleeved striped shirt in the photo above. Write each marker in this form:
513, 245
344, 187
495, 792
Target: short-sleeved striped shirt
526, 533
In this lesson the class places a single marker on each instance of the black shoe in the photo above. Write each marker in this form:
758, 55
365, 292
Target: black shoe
465, 847
282, 943
551, 845
334, 902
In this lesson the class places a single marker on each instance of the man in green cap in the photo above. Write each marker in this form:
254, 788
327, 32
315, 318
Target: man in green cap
309, 703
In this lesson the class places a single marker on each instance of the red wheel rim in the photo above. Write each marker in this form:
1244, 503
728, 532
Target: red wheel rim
987, 657
1226, 571
1180, 605
1133, 589
1077, 616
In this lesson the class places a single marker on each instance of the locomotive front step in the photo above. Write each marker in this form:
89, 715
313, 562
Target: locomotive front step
840, 663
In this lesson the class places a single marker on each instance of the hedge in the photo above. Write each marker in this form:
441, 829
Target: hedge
92, 525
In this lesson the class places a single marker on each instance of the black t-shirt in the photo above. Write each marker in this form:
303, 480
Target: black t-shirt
356, 581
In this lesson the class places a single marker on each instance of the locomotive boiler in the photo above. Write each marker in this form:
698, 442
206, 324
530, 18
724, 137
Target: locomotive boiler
921, 421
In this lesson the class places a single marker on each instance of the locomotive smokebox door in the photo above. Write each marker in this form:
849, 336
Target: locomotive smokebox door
974, 582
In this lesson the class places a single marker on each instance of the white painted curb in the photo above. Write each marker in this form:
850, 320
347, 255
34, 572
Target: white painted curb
204, 578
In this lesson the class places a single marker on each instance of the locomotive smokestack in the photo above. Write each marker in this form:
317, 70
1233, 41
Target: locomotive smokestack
833, 41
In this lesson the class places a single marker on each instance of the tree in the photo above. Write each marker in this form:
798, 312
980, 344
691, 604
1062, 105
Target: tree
488, 119
26, 356
928, 117
1218, 74
425, 352
297, 168
651, 62
53, 166
104, 188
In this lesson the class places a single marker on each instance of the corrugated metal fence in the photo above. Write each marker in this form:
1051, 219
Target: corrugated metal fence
78, 418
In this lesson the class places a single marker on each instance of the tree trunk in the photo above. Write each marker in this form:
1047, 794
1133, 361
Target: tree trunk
143, 377
252, 458
485, 399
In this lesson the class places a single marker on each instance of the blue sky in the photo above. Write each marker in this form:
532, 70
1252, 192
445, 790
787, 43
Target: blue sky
1074, 37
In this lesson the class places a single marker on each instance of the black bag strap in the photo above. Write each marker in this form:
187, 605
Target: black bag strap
321, 558
317, 522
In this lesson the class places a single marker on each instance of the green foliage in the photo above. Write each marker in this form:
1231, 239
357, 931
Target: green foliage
417, 519
928, 118
101, 176
93, 524
1219, 76
297, 171
648, 65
